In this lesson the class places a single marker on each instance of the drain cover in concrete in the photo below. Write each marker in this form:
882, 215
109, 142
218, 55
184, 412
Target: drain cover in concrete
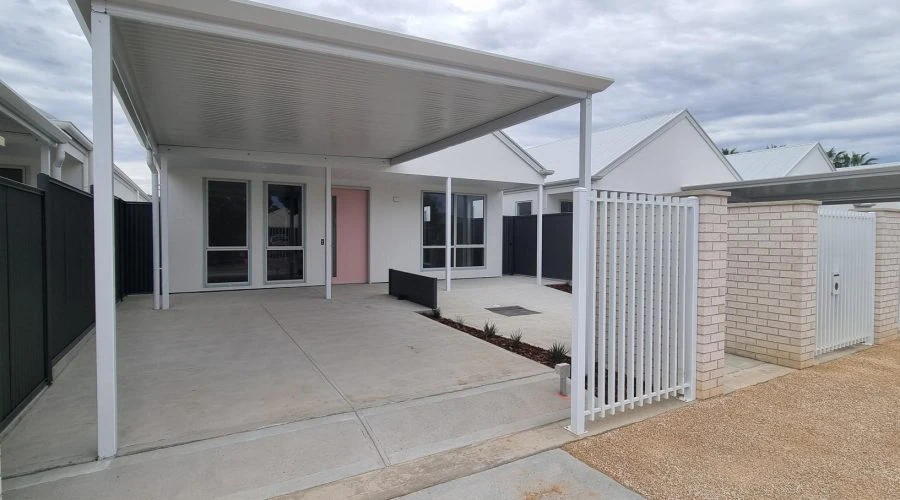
512, 311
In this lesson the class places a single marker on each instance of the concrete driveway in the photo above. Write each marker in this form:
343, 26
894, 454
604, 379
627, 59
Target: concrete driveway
305, 390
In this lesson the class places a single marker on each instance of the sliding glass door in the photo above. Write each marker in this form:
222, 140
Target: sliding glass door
227, 226
284, 232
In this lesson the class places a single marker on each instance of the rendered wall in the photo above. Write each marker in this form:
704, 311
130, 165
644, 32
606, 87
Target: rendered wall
394, 233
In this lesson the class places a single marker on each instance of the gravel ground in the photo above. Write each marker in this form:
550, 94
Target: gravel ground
831, 431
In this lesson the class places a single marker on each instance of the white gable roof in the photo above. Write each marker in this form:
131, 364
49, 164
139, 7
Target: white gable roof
608, 147
771, 163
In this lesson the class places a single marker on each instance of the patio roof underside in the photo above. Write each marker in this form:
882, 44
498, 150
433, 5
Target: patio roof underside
849, 185
198, 74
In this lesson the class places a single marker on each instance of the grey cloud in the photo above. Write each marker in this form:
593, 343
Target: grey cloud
754, 73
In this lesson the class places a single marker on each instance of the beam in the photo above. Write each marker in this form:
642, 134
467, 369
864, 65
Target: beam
448, 233
154, 204
540, 235
580, 272
164, 230
358, 53
104, 246
514, 118
274, 157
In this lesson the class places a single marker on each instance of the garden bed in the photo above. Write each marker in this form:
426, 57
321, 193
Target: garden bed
532, 352
563, 287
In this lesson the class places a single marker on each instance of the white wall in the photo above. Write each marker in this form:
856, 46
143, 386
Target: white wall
812, 163
679, 157
486, 158
395, 229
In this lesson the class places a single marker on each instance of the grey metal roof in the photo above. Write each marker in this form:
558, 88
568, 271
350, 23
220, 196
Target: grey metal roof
843, 186
769, 163
237, 75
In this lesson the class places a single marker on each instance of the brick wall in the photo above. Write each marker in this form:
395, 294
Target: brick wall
887, 273
771, 282
711, 290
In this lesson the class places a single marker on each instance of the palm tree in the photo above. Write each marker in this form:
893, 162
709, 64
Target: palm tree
729, 151
857, 159
842, 159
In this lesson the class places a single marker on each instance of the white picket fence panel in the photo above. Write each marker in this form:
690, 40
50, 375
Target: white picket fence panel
845, 289
642, 336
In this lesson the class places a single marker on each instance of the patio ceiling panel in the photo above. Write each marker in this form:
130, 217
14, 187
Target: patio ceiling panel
240, 76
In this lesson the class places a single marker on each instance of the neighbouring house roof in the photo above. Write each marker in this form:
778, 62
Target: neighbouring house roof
293, 83
610, 147
773, 162
18, 116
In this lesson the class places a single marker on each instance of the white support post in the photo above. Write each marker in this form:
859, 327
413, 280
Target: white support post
46, 160
580, 271
59, 157
164, 229
104, 247
328, 235
86, 172
154, 197
540, 234
448, 221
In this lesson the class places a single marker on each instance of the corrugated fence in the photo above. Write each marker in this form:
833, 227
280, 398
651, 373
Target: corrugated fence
47, 278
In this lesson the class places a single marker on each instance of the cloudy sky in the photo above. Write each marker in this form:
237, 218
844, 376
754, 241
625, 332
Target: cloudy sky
753, 73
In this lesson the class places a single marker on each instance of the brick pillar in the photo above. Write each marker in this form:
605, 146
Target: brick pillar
771, 309
711, 291
887, 273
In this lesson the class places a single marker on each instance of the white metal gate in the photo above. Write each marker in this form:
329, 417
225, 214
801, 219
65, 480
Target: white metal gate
845, 290
641, 343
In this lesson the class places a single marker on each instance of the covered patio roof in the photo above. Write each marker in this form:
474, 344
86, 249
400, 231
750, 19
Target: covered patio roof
848, 185
234, 75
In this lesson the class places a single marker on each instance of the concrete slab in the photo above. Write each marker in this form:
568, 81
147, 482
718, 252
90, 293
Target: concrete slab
470, 298
227, 362
257, 464
741, 372
548, 475
415, 429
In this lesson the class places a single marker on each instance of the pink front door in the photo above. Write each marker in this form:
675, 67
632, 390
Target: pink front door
351, 235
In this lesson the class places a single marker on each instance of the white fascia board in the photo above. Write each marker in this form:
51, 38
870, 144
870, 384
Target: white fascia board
46, 132
274, 157
606, 170
712, 145
521, 153
213, 25
514, 118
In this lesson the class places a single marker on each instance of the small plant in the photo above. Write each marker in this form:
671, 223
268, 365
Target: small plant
516, 337
460, 320
436, 313
558, 352
490, 329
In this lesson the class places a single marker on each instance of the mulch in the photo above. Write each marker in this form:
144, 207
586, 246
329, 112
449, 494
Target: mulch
564, 287
525, 349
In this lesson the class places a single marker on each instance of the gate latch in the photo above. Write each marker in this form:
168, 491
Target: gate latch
835, 283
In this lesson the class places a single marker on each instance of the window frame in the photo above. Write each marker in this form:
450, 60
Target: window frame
207, 248
20, 168
266, 248
453, 246
530, 206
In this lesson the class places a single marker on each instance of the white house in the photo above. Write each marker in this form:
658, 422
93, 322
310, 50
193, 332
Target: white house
33, 143
659, 154
784, 161
263, 224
